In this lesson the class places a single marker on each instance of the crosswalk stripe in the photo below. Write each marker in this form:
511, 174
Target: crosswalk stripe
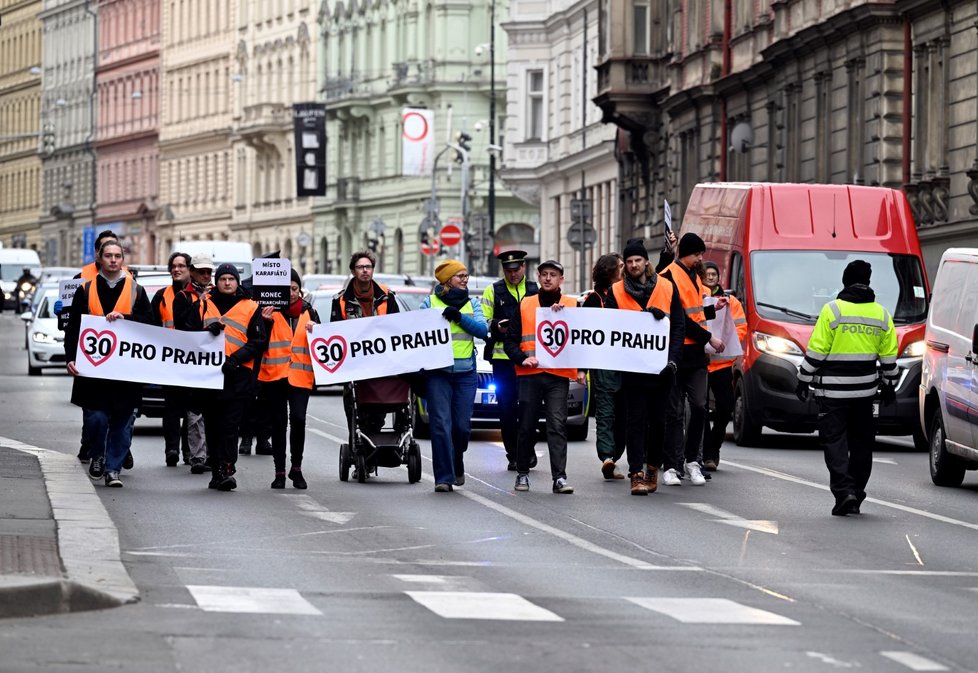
914, 662
482, 605
254, 600
711, 611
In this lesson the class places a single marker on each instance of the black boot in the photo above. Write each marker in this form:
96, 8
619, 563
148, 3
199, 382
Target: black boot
227, 482
279, 481
264, 447
295, 474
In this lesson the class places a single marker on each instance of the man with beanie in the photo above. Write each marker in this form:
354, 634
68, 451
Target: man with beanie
682, 453
851, 334
647, 395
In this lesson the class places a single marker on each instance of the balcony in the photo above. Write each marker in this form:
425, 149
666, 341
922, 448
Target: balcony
265, 118
347, 190
628, 87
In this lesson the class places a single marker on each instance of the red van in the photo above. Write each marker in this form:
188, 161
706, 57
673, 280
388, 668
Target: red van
782, 248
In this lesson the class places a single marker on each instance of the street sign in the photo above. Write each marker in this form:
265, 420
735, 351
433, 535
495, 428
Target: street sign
431, 247
450, 234
574, 236
581, 208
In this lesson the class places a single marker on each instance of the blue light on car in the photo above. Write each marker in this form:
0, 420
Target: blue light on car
491, 387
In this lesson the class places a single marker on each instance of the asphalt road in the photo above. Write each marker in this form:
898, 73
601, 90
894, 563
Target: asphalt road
749, 573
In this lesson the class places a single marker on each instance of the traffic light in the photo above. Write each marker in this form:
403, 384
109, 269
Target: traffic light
47, 139
463, 140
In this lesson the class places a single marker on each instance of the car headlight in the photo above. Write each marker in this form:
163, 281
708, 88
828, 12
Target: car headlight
775, 345
43, 338
914, 350
25, 287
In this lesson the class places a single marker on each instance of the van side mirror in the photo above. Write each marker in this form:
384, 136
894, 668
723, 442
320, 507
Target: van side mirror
974, 340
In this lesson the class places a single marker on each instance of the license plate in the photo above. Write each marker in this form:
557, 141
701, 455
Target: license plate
488, 398
876, 409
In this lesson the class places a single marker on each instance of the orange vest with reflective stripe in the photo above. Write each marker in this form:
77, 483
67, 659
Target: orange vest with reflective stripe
381, 310
275, 362
300, 368
166, 308
124, 304
661, 296
691, 295
719, 360
528, 344
235, 323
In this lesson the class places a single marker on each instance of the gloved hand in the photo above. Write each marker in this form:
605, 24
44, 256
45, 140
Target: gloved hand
656, 312
452, 314
888, 394
58, 307
668, 373
215, 328
229, 366
803, 391
494, 331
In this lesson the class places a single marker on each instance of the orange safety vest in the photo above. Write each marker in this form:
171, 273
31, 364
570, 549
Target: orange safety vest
300, 368
89, 272
528, 344
235, 323
661, 296
691, 295
381, 310
166, 308
275, 362
124, 304
719, 360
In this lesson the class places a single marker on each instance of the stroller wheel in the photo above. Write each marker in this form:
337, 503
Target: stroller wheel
361, 469
414, 463
345, 462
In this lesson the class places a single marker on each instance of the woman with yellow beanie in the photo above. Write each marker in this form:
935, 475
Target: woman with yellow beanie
450, 392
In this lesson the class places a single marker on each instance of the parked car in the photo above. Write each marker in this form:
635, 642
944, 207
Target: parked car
45, 342
948, 394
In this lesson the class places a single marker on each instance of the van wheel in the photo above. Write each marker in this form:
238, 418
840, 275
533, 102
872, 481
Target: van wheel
945, 469
746, 431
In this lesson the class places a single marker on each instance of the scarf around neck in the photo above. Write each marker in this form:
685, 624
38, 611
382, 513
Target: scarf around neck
640, 291
456, 297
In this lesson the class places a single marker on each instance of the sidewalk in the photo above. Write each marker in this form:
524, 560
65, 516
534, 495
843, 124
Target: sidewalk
59, 550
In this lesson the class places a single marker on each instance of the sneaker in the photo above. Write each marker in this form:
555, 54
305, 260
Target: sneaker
694, 474
608, 469
172, 459
522, 482
244, 448
443, 488
710, 465
225, 478
96, 469
651, 478
295, 474
197, 466
279, 481
671, 478
639, 485
112, 480
127, 462
561, 486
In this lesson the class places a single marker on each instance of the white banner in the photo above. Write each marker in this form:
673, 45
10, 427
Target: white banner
369, 348
595, 338
723, 328
130, 351
417, 141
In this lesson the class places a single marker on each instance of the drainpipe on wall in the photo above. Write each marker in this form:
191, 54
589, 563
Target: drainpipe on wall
724, 71
907, 97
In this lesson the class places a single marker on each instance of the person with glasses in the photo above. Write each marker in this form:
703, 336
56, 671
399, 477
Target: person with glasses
450, 392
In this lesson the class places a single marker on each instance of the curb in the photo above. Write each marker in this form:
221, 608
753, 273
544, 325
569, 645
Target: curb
94, 577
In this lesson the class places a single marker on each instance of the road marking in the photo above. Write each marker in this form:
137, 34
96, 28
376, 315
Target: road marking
310, 507
325, 422
730, 519
422, 579
712, 611
338, 440
885, 461
892, 505
828, 659
251, 600
482, 605
916, 555
914, 662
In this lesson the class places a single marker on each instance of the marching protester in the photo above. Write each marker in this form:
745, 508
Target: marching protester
450, 392
538, 385
286, 379
646, 395
682, 453
256, 425
852, 332
606, 390
227, 308
111, 404
720, 373
500, 302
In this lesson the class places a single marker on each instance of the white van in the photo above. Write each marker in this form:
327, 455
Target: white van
12, 264
948, 398
231, 252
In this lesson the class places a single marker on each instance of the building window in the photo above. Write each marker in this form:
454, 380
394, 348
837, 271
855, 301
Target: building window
534, 105
640, 28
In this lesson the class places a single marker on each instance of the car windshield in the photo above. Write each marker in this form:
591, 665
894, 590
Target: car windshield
14, 271
794, 285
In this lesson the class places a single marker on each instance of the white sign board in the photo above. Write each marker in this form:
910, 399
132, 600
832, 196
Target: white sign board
595, 338
270, 280
723, 328
369, 348
667, 215
123, 350
417, 141
66, 294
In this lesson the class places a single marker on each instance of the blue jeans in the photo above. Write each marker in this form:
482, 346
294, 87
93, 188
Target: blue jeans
450, 398
111, 436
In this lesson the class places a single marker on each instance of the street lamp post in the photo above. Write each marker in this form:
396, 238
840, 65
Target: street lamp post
492, 133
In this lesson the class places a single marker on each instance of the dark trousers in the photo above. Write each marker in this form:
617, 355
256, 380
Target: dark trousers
507, 404
645, 415
175, 422
285, 406
847, 432
222, 421
609, 414
254, 423
721, 385
690, 387
535, 391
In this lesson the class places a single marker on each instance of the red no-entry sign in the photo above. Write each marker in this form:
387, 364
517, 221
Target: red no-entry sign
431, 247
450, 235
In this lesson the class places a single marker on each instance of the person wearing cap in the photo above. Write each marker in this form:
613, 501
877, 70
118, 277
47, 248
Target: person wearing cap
540, 386
450, 392
851, 334
286, 380
500, 302
720, 373
227, 308
682, 453
646, 395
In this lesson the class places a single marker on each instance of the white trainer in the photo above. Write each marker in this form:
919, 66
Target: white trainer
694, 474
671, 478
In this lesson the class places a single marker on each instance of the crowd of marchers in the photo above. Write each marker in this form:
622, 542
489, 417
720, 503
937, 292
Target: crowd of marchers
657, 421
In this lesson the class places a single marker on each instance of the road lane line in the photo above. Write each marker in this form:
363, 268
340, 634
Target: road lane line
914, 662
482, 605
892, 505
325, 422
916, 555
338, 440
252, 600
711, 611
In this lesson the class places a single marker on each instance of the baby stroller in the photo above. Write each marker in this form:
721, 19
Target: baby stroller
373, 442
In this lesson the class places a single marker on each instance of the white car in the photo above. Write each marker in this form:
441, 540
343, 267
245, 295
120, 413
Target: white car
45, 341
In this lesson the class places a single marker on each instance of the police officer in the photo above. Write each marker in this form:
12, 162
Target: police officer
500, 303
851, 334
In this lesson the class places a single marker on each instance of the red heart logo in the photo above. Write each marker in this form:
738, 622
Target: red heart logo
98, 347
329, 353
552, 336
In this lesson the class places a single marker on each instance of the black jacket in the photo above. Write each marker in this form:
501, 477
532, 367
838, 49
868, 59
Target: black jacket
694, 355
381, 296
